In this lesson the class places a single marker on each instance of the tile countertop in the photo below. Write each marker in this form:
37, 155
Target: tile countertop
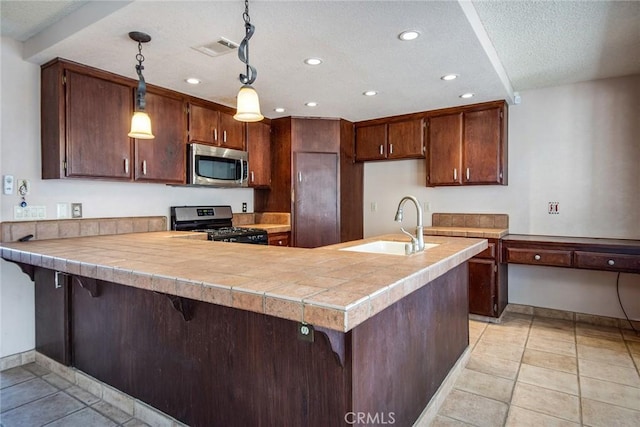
485, 233
322, 286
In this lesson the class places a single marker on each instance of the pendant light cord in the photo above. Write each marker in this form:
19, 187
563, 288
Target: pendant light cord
243, 49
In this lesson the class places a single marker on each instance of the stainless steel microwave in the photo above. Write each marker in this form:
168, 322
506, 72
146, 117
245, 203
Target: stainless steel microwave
217, 166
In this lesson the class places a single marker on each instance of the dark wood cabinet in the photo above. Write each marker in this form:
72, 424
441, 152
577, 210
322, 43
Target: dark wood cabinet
315, 179
259, 148
279, 239
52, 307
392, 140
208, 125
163, 159
488, 282
467, 145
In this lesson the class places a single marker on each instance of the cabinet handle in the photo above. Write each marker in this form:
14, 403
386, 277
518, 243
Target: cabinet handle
252, 177
381, 150
467, 174
144, 167
126, 165
58, 284
224, 136
280, 242
455, 174
390, 148
299, 176
215, 134
611, 262
537, 257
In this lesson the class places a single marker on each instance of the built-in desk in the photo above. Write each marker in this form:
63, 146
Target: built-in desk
618, 255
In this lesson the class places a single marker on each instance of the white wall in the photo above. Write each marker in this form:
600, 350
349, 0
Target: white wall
575, 144
20, 157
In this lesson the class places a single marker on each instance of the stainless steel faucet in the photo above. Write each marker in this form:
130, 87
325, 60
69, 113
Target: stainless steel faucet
417, 242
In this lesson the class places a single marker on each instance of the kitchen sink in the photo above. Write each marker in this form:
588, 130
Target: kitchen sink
386, 247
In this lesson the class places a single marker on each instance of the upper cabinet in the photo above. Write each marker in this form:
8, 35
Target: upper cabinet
214, 127
259, 148
467, 145
380, 140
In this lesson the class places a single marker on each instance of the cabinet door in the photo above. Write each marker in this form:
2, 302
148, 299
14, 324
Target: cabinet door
98, 117
52, 315
482, 286
203, 125
162, 159
315, 208
259, 148
231, 132
279, 239
371, 142
444, 158
405, 140
482, 147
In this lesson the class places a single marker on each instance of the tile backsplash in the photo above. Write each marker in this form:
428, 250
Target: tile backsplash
65, 228
470, 220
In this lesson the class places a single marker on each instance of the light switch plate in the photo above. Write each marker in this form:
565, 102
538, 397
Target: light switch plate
7, 184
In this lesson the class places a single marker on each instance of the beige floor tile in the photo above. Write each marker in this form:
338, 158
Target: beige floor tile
553, 334
630, 335
520, 417
544, 359
441, 421
503, 351
606, 372
567, 348
474, 409
502, 336
549, 402
546, 322
485, 385
493, 365
595, 331
605, 355
598, 414
548, 378
634, 347
618, 345
608, 392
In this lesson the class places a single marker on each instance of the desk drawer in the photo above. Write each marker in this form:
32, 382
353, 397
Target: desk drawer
606, 261
490, 252
549, 257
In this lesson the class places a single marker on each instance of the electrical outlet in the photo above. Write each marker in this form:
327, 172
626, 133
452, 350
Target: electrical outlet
374, 206
76, 210
305, 332
62, 210
244, 206
554, 208
427, 206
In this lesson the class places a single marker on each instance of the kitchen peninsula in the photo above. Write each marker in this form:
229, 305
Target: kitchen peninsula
213, 333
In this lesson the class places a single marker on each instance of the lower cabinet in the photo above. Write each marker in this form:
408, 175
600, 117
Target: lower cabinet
488, 282
279, 239
52, 306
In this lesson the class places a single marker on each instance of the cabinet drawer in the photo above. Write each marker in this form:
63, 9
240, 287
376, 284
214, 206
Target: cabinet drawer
490, 252
607, 261
279, 239
539, 257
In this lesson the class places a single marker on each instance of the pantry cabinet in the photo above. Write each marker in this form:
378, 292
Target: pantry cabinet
208, 125
389, 140
85, 119
467, 145
488, 282
259, 148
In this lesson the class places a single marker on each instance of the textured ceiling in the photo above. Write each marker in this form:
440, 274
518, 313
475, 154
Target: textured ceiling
538, 43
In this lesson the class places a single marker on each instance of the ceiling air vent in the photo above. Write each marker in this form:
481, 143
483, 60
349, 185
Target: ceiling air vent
217, 48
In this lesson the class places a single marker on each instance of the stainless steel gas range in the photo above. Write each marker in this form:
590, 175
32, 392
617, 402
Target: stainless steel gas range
216, 221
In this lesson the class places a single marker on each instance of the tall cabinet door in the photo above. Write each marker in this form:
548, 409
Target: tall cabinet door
162, 159
482, 286
52, 299
315, 208
444, 159
98, 117
482, 147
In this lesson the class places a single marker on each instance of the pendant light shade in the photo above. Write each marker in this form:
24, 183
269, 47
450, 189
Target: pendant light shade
248, 105
141, 126
140, 122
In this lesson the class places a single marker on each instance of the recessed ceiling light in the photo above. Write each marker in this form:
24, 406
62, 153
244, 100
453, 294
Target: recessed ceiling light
311, 104
313, 61
370, 93
279, 110
408, 35
192, 81
467, 95
449, 77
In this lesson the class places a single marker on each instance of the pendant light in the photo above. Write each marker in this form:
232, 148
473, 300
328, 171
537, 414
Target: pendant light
248, 103
140, 122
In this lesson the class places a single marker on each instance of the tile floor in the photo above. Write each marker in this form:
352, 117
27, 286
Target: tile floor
525, 371
32, 396
537, 371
